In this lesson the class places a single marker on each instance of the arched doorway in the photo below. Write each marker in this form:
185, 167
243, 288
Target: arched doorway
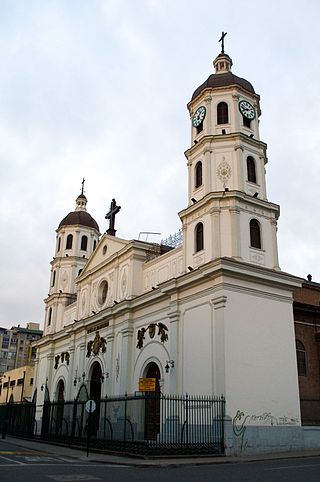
95, 382
59, 406
95, 394
152, 405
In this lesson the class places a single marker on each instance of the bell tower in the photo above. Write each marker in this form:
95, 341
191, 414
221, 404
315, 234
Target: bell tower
228, 213
77, 237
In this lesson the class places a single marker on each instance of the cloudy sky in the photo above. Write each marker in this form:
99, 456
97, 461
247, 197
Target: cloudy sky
98, 89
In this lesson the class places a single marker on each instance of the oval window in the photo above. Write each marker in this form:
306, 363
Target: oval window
103, 291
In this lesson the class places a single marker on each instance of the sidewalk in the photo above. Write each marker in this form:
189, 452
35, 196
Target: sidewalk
66, 452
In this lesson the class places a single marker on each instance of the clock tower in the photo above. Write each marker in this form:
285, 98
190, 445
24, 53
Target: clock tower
228, 213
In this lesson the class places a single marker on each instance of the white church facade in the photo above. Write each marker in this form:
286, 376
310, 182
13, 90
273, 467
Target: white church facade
211, 316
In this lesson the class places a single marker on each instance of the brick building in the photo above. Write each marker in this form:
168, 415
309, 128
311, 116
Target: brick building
306, 309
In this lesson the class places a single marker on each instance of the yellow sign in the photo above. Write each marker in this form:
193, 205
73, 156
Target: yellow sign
147, 384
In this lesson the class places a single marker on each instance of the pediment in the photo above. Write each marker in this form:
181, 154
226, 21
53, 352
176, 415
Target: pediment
107, 247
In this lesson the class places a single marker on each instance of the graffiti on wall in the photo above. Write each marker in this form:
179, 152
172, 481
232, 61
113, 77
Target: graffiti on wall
241, 421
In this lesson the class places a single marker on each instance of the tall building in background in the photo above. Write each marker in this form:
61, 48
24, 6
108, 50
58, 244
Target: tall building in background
15, 346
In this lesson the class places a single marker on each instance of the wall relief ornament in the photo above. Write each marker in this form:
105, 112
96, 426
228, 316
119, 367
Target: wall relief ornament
224, 171
63, 356
94, 346
162, 332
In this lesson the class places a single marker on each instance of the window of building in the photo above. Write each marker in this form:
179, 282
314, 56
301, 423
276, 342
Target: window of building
102, 292
199, 128
69, 241
20, 381
301, 359
199, 237
53, 278
94, 244
246, 122
255, 236
251, 169
59, 244
198, 174
31, 381
222, 113
84, 243
5, 342
49, 316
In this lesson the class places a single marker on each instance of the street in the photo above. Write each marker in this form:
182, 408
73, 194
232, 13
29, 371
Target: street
20, 464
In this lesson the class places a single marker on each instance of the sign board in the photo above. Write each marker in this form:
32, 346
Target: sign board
147, 384
90, 406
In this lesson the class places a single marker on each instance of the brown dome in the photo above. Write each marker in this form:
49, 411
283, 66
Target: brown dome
79, 217
222, 80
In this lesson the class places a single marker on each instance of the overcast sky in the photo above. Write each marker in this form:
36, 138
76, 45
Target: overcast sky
98, 89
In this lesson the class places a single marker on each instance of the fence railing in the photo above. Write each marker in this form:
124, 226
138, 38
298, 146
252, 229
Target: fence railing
18, 419
141, 423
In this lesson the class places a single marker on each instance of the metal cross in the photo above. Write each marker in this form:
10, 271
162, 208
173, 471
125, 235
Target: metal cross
114, 209
82, 189
222, 41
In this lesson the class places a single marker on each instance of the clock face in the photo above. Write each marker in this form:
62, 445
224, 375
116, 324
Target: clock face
247, 110
198, 116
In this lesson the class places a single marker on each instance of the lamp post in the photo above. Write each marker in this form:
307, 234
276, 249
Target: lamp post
8, 389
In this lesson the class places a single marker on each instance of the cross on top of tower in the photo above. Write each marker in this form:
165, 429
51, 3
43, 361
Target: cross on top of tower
222, 41
82, 188
111, 215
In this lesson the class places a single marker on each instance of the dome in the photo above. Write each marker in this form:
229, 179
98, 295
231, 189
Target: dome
222, 80
79, 217
223, 77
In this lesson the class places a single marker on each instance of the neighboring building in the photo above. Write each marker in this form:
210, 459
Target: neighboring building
213, 315
17, 385
306, 309
15, 346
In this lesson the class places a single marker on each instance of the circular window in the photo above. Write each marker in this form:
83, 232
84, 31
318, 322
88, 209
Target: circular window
102, 293
104, 250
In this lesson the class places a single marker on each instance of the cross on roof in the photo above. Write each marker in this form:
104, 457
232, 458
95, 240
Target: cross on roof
222, 41
82, 189
114, 209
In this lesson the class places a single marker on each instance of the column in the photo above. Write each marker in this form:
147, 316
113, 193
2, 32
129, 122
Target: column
174, 377
275, 244
235, 232
219, 382
126, 369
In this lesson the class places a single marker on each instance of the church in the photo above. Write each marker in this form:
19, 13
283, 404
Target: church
209, 315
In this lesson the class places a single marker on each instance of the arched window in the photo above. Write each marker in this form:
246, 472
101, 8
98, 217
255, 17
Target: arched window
84, 243
69, 241
251, 169
53, 278
246, 122
301, 359
255, 236
59, 244
198, 174
49, 316
199, 237
222, 113
94, 244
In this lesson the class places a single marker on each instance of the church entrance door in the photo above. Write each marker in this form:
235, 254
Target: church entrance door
95, 394
152, 404
60, 406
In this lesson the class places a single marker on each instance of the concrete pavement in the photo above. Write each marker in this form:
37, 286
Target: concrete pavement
62, 451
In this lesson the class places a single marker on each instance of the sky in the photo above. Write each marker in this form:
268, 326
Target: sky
98, 89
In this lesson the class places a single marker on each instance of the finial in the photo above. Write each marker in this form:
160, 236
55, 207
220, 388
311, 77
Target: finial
82, 188
222, 41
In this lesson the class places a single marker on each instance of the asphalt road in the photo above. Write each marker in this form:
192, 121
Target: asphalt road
18, 464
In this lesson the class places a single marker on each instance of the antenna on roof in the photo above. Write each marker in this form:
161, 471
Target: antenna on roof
147, 234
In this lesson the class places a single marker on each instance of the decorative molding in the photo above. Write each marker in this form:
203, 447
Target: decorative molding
219, 302
224, 171
151, 328
96, 345
65, 355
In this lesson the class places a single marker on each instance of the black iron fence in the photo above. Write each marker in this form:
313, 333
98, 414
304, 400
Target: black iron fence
18, 419
150, 423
